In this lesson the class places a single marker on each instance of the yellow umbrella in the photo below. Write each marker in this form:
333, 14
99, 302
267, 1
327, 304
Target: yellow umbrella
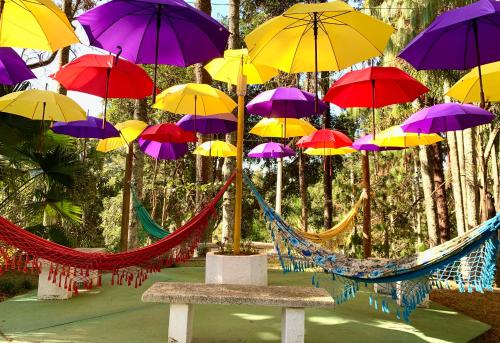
329, 151
34, 24
396, 137
235, 63
194, 98
42, 105
468, 90
129, 131
215, 149
282, 128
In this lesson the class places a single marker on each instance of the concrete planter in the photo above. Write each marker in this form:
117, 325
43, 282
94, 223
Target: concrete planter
237, 270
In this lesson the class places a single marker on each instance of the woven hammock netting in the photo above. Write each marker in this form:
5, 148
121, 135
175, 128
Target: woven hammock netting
466, 262
23, 251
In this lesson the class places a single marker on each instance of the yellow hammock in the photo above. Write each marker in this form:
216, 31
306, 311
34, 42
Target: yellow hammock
343, 225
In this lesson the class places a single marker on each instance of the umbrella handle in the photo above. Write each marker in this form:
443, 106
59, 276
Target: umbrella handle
120, 50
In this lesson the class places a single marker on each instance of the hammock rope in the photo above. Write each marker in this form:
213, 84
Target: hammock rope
345, 224
23, 251
467, 262
146, 220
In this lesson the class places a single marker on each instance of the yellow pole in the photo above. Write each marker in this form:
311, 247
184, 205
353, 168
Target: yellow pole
241, 91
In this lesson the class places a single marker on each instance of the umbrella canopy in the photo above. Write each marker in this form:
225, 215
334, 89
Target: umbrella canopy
271, 150
106, 76
329, 151
129, 131
325, 138
12, 68
194, 98
468, 89
235, 63
343, 35
446, 117
207, 125
374, 87
42, 105
168, 133
163, 151
366, 143
215, 149
396, 137
34, 24
282, 128
285, 102
91, 127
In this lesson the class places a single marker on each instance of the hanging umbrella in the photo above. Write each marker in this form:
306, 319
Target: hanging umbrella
396, 137
34, 24
163, 151
374, 87
275, 127
106, 76
460, 38
215, 149
271, 150
194, 98
366, 143
42, 105
285, 102
168, 133
91, 127
468, 90
155, 32
129, 132
344, 36
325, 138
236, 62
207, 125
446, 117
13, 70
329, 151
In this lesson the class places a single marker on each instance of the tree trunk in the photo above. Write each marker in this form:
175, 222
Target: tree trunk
440, 194
416, 196
427, 186
483, 176
140, 113
456, 182
471, 185
303, 190
327, 177
367, 234
463, 179
126, 198
229, 163
495, 176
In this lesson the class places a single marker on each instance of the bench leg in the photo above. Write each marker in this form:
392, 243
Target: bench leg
180, 323
292, 325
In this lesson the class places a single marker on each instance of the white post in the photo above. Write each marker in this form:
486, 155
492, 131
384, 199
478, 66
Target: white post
279, 181
180, 323
292, 325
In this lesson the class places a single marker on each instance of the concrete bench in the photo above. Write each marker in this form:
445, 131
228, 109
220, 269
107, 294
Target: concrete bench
182, 296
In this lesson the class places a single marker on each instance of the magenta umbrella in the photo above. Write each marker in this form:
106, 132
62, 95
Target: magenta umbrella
155, 32
91, 127
208, 125
365, 143
163, 151
447, 117
12, 68
271, 150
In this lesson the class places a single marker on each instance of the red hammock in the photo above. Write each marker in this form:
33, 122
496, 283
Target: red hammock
22, 250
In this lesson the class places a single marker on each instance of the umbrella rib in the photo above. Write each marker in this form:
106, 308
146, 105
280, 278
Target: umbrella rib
331, 45
151, 18
178, 40
298, 44
434, 41
362, 35
466, 43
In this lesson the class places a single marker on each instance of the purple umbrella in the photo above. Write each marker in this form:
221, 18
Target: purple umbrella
461, 38
284, 102
91, 127
207, 125
155, 32
446, 117
271, 150
163, 151
365, 143
12, 68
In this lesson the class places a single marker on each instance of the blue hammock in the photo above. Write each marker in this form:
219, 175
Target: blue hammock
467, 262
145, 220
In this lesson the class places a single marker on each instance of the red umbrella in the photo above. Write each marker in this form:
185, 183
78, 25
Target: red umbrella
325, 138
374, 87
106, 76
168, 133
